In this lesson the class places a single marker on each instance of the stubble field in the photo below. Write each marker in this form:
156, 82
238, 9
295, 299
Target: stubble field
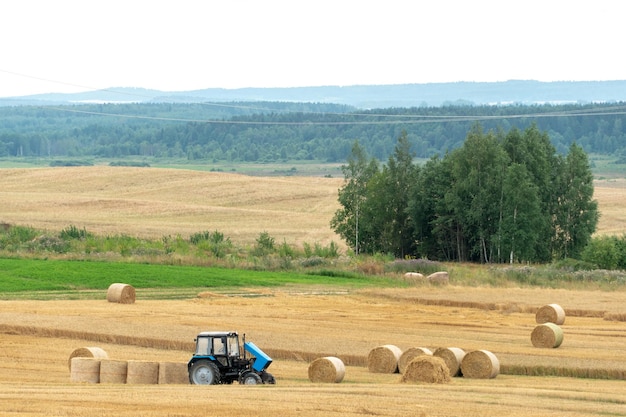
293, 325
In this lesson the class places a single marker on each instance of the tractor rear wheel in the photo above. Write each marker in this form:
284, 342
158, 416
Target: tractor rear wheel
250, 378
204, 373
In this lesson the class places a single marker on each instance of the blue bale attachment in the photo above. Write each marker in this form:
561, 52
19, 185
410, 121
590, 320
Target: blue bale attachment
262, 361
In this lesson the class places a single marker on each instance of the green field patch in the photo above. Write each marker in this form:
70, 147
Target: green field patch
19, 275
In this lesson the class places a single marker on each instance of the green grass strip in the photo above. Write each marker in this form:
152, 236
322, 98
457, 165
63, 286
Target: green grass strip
17, 275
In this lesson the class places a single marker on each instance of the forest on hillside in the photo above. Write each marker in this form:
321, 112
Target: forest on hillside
281, 131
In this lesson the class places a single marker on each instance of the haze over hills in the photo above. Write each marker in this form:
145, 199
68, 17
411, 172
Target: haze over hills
526, 92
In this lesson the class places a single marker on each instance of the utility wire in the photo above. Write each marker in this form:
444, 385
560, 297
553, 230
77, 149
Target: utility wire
403, 119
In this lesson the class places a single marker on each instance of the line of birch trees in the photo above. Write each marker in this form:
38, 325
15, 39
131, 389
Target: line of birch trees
503, 197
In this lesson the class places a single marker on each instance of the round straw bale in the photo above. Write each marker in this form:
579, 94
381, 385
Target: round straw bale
453, 357
551, 313
85, 370
409, 354
384, 359
327, 369
142, 372
113, 371
87, 352
439, 278
547, 335
427, 368
480, 364
414, 277
121, 293
173, 373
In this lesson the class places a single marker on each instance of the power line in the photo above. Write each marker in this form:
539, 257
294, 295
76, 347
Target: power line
405, 119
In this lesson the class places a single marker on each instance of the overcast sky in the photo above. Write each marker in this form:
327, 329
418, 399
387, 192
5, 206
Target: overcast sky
78, 45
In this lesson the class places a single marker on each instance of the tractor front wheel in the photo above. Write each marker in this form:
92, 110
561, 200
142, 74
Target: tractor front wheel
250, 378
204, 373
267, 378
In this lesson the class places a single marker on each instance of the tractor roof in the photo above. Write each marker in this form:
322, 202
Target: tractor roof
216, 334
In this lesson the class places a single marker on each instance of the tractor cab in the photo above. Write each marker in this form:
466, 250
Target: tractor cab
224, 346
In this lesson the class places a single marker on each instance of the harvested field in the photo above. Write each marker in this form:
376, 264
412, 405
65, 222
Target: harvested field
154, 202
585, 376
348, 327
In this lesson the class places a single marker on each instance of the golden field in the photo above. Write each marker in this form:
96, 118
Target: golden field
294, 325
152, 202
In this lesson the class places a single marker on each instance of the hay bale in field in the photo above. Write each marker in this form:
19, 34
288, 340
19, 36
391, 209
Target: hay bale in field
85, 370
439, 278
480, 364
384, 359
547, 335
142, 372
173, 373
414, 277
409, 354
87, 352
427, 368
453, 357
113, 371
121, 293
327, 369
551, 313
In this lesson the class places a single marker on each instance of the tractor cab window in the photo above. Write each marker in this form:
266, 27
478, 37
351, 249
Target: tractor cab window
202, 346
219, 346
233, 345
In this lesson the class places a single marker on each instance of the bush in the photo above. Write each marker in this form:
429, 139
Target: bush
312, 261
215, 243
73, 232
70, 163
331, 251
571, 265
51, 244
286, 251
264, 244
604, 252
423, 266
13, 237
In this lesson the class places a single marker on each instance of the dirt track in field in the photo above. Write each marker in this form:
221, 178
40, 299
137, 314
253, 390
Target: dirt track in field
294, 327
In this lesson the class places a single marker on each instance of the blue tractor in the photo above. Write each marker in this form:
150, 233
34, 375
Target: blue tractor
218, 360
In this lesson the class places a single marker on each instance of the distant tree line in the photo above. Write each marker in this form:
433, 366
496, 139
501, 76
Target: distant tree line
500, 197
272, 131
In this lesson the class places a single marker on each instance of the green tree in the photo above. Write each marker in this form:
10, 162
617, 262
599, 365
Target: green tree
576, 215
357, 174
476, 195
533, 150
398, 177
604, 252
520, 228
433, 222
